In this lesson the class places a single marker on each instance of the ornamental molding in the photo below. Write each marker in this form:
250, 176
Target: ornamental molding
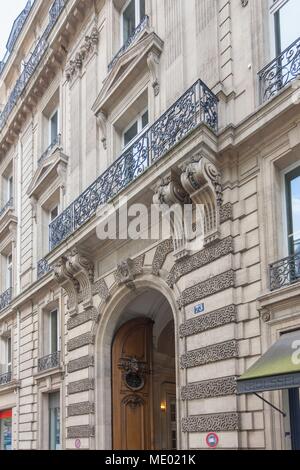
211, 423
101, 120
100, 287
160, 256
86, 49
215, 319
153, 65
207, 288
198, 260
220, 387
209, 354
202, 181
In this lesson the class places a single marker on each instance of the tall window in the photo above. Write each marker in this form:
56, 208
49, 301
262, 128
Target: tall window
293, 210
53, 213
8, 354
53, 127
54, 421
286, 23
135, 128
132, 14
9, 271
53, 332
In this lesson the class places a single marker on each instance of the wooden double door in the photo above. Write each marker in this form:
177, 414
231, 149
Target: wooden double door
132, 386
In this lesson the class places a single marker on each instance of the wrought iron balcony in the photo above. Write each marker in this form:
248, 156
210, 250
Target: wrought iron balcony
32, 64
43, 268
280, 72
49, 362
55, 143
5, 299
285, 272
5, 378
198, 105
8, 205
143, 24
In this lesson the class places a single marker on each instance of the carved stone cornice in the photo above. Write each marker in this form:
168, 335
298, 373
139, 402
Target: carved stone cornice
87, 48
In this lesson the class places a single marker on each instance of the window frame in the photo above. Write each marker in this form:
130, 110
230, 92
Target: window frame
275, 8
290, 169
138, 18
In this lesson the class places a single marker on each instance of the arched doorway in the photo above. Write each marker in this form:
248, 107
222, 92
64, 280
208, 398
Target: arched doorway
143, 375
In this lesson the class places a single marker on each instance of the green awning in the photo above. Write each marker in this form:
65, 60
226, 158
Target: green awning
277, 369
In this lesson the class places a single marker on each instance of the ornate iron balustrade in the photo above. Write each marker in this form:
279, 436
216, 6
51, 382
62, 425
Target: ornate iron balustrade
55, 143
16, 30
197, 105
143, 24
5, 378
280, 72
43, 268
49, 362
285, 272
8, 205
5, 299
33, 62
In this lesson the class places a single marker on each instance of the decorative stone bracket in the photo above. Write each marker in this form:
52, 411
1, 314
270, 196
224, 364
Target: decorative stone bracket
202, 181
127, 270
102, 124
153, 65
75, 274
170, 198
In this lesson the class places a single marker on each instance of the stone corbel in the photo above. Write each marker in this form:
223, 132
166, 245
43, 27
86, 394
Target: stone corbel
169, 197
13, 233
81, 269
153, 65
68, 283
202, 181
102, 124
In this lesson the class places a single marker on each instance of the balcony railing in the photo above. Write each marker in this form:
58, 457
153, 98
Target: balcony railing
143, 24
33, 62
280, 72
8, 205
55, 143
5, 299
43, 268
5, 378
285, 272
198, 105
49, 362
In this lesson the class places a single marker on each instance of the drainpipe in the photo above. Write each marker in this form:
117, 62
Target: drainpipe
18, 378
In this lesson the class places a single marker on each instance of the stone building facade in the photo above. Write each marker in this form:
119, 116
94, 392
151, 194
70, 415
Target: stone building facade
139, 343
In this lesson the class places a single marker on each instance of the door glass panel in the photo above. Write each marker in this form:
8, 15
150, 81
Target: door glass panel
289, 23
129, 21
54, 421
6, 434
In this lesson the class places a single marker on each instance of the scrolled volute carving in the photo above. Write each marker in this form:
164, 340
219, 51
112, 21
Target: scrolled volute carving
202, 181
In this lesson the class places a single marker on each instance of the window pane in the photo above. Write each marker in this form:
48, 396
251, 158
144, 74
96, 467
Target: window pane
130, 134
53, 330
54, 127
10, 188
129, 21
293, 192
289, 23
8, 354
145, 119
142, 9
54, 213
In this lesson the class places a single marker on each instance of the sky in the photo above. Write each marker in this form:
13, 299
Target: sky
8, 14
